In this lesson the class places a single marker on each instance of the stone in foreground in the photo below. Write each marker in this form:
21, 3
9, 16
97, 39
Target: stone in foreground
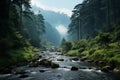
74, 68
60, 59
54, 65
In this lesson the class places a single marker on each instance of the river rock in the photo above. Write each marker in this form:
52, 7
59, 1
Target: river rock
75, 59
106, 68
90, 61
24, 75
101, 62
6, 71
74, 68
96, 62
54, 65
83, 59
116, 70
20, 72
34, 64
46, 62
42, 70
40, 56
83, 67
60, 59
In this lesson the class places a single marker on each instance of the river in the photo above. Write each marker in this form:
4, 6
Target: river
85, 72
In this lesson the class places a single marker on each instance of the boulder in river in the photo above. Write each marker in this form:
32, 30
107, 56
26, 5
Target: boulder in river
40, 56
101, 62
54, 65
24, 75
5, 71
75, 59
21, 72
90, 61
83, 58
74, 68
60, 59
46, 62
42, 70
96, 62
116, 70
34, 64
106, 68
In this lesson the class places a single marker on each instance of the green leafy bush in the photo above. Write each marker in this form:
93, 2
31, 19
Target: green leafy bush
80, 44
73, 53
67, 46
103, 38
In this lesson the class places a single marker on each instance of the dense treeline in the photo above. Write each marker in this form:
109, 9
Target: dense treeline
20, 32
92, 16
96, 26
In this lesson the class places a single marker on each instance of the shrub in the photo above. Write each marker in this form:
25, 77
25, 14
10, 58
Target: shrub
80, 44
103, 38
67, 46
81, 50
91, 51
5, 46
72, 53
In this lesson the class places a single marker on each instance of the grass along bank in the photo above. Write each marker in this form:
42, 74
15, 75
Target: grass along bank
18, 57
100, 52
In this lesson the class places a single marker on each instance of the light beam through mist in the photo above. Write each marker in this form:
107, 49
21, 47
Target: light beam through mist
62, 29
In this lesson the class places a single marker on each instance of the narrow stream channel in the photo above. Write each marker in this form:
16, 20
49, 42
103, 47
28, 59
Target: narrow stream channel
85, 72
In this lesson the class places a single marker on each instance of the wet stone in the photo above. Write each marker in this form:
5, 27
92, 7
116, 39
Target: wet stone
60, 59
42, 70
54, 65
75, 59
74, 68
24, 75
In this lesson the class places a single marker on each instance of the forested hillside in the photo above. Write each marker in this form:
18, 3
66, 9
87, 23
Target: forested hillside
95, 32
94, 16
59, 18
20, 32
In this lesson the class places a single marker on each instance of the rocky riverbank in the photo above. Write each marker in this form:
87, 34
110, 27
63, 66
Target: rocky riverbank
102, 65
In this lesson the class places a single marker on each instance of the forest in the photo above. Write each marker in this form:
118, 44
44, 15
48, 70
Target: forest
93, 34
20, 32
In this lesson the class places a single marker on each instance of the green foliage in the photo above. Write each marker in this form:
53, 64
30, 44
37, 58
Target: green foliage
80, 44
117, 34
92, 16
104, 38
91, 51
81, 50
34, 25
5, 45
66, 47
18, 56
19, 27
72, 53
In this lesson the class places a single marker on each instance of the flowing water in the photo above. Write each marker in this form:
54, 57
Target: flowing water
85, 72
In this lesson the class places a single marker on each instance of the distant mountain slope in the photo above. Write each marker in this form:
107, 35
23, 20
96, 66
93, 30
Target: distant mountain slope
53, 18
52, 35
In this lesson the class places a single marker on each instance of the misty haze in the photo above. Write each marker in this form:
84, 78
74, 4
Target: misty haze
60, 40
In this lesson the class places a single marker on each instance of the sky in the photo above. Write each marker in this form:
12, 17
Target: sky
61, 6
